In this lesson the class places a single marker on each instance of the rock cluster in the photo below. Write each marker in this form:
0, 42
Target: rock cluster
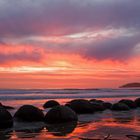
62, 113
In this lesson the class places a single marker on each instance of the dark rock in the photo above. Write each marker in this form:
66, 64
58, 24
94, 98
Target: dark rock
137, 102
107, 105
50, 104
120, 107
29, 113
60, 114
67, 104
92, 100
130, 103
96, 101
81, 106
6, 120
7, 107
97, 107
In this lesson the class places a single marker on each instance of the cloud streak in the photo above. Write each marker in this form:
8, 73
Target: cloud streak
21, 54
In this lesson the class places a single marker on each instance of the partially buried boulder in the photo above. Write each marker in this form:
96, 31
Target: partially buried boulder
81, 106
120, 107
107, 105
97, 107
60, 114
137, 102
96, 101
50, 104
130, 103
29, 113
6, 120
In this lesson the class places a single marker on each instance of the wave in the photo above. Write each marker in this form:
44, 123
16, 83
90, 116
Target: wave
66, 93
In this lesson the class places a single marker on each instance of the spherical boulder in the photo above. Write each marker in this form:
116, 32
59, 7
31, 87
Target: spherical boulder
97, 107
120, 107
60, 114
6, 120
107, 105
128, 102
81, 106
92, 100
96, 101
50, 104
137, 102
29, 113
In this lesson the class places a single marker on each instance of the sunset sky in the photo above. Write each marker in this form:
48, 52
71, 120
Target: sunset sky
69, 43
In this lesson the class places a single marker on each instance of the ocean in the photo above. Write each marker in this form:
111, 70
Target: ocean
97, 126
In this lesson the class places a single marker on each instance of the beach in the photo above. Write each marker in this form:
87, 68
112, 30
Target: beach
69, 70
98, 125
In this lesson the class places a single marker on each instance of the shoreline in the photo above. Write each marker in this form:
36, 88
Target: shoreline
93, 125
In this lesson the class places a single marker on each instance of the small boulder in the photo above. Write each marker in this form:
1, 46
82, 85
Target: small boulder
81, 106
137, 102
92, 100
97, 107
107, 105
29, 113
96, 101
60, 114
6, 120
120, 107
130, 103
50, 104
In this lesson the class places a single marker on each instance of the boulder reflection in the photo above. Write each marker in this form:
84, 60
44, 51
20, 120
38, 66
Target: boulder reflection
5, 135
28, 130
61, 129
123, 117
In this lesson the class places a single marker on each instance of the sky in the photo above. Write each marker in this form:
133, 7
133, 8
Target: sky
69, 43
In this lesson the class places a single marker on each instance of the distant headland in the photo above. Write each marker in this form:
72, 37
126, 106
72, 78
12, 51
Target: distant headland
131, 85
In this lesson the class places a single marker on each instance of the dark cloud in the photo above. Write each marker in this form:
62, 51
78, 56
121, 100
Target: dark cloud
121, 48
35, 17
46, 18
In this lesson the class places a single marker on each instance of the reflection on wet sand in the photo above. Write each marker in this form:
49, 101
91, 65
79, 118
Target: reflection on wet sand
28, 130
5, 135
124, 117
61, 129
95, 126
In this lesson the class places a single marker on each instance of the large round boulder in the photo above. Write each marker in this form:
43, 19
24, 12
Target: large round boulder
6, 120
120, 107
60, 114
81, 106
128, 102
50, 104
29, 113
137, 102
